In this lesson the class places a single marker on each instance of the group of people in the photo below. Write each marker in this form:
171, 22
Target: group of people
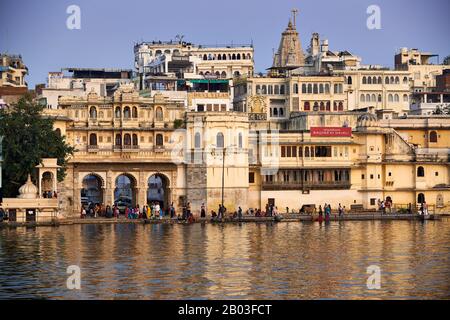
49, 194
152, 211
385, 206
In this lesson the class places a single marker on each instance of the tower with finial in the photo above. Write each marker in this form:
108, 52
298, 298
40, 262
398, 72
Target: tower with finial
290, 53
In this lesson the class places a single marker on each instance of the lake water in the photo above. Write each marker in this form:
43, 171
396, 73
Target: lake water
231, 261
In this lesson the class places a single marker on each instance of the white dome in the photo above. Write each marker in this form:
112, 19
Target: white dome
28, 190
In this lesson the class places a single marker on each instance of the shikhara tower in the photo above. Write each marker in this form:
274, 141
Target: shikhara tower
290, 53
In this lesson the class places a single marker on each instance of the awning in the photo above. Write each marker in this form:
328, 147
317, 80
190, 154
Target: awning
208, 81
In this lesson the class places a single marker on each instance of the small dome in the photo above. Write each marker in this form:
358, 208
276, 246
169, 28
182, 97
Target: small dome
28, 190
367, 120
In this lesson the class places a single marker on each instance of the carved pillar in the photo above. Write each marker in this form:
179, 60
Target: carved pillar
108, 189
141, 190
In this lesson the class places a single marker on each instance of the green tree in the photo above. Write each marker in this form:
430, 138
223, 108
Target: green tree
27, 138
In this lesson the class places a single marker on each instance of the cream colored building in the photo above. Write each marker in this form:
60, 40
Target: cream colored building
12, 71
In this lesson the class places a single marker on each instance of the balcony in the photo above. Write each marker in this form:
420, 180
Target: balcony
159, 149
432, 155
305, 185
92, 148
126, 148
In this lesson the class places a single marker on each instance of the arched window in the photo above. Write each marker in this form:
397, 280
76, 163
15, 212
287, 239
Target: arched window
249, 57
328, 106
349, 80
197, 141
316, 106
433, 136
397, 80
364, 80
281, 112
277, 89
369, 80
219, 140
367, 97
224, 57
270, 91
396, 98
237, 73
379, 98
258, 89
374, 80
380, 81
420, 198
373, 98
282, 89
205, 57
392, 80
135, 140
238, 57
224, 74
304, 88
420, 172
327, 88
126, 112
405, 80
307, 152
295, 88
321, 88
218, 73
118, 139
405, 98
159, 139
322, 106
341, 106
127, 139
390, 98
315, 89
264, 89
233, 57
135, 112
386, 80
93, 139
93, 112
240, 140
275, 112
159, 114
335, 105
306, 106
219, 57
58, 132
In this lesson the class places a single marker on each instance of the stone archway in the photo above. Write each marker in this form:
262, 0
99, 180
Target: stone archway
125, 191
158, 189
92, 189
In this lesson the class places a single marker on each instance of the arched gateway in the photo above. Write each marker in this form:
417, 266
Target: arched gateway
158, 190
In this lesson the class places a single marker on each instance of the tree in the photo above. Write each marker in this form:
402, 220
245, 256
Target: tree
27, 138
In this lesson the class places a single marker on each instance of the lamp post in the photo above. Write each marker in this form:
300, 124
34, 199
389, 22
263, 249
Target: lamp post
224, 151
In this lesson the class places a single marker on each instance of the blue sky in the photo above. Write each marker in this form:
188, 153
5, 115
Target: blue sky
37, 29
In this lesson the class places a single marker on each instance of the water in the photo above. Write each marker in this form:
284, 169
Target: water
249, 261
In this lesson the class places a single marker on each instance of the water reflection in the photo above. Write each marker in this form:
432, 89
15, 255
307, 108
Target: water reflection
246, 261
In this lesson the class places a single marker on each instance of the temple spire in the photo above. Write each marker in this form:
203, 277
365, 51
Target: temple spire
294, 16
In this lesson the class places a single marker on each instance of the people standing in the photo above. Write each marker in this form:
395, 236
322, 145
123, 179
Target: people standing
340, 210
240, 213
203, 210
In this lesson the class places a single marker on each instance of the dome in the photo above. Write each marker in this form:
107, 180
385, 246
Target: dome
367, 120
28, 190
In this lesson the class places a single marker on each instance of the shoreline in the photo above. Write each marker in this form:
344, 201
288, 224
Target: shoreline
245, 219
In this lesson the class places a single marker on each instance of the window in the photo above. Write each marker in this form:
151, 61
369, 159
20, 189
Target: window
295, 88
240, 140
135, 112
283, 151
159, 114
126, 112
251, 177
197, 140
405, 98
93, 113
390, 98
372, 201
436, 174
433, 136
304, 88
306, 106
349, 80
118, 140
93, 139
127, 139
159, 140
135, 140
362, 177
364, 80
219, 140
315, 88
323, 151
390, 174
371, 176
420, 172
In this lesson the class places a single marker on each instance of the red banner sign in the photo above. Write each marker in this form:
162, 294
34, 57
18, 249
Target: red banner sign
331, 132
